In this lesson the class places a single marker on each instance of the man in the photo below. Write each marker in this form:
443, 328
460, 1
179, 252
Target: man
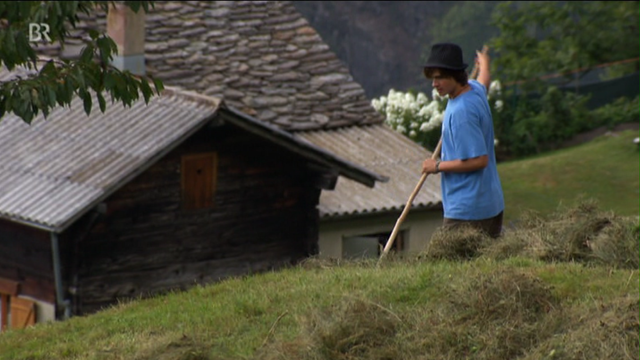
471, 189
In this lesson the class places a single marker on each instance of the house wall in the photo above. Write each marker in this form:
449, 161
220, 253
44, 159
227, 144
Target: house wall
263, 216
25, 257
418, 227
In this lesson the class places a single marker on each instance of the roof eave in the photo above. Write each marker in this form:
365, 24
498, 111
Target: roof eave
304, 148
28, 223
115, 187
379, 212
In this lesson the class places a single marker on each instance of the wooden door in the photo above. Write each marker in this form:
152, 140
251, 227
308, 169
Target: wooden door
23, 313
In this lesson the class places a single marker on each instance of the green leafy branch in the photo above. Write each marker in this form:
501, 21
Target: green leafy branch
47, 83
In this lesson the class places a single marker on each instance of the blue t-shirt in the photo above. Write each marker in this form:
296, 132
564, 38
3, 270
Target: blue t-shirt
467, 132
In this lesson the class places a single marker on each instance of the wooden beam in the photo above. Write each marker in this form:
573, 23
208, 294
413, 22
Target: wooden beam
323, 177
9, 287
4, 311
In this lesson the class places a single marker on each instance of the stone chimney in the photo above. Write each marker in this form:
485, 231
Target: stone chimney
126, 28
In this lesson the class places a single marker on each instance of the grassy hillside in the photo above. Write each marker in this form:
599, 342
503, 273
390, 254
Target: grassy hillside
400, 310
605, 169
562, 289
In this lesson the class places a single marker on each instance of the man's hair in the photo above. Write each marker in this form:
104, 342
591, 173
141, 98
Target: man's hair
460, 76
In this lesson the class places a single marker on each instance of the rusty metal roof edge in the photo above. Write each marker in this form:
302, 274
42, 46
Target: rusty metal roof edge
351, 170
152, 160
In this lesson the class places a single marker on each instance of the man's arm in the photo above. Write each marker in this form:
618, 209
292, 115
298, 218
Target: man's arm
473, 164
482, 62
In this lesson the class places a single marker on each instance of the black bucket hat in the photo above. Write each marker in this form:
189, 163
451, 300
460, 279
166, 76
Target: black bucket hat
446, 56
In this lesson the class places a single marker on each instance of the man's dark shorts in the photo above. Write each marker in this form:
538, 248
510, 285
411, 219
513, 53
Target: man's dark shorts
491, 226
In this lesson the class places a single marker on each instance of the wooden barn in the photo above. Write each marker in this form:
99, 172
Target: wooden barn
142, 200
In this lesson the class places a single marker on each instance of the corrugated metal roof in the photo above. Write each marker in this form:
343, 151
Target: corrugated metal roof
384, 151
54, 169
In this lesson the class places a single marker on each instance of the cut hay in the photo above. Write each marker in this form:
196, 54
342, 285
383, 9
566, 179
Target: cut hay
355, 329
489, 316
317, 263
507, 295
581, 233
350, 329
618, 244
504, 312
459, 243
606, 331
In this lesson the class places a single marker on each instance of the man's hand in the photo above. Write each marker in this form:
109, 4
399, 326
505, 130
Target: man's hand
429, 166
482, 63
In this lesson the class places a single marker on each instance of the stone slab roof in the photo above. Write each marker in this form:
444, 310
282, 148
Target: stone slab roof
261, 57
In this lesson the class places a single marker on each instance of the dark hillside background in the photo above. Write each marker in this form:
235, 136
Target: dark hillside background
381, 41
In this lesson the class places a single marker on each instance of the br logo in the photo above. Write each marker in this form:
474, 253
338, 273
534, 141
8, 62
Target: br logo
39, 31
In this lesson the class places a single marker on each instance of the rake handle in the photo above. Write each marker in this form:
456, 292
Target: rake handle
407, 207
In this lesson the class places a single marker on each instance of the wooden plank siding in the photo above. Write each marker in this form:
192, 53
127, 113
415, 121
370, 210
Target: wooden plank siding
262, 216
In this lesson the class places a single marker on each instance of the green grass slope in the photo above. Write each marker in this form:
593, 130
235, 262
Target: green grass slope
605, 169
482, 309
563, 287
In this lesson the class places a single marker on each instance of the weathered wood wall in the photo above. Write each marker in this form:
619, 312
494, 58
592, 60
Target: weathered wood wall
264, 216
25, 257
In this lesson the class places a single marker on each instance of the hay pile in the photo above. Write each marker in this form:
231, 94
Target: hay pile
505, 314
606, 331
460, 243
350, 329
491, 316
355, 329
581, 233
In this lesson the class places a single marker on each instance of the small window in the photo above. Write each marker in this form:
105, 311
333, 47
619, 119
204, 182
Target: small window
370, 246
199, 175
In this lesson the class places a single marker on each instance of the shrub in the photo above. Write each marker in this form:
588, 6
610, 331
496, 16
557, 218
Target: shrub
621, 111
530, 125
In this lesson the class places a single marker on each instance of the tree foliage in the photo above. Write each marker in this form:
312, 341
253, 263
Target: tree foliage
532, 41
468, 24
547, 37
55, 82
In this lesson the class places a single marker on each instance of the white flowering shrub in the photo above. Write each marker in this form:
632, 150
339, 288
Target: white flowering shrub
420, 118
414, 115
495, 96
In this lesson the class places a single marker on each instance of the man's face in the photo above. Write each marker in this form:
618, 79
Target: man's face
444, 86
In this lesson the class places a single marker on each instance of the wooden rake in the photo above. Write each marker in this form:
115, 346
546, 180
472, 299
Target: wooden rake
407, 206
